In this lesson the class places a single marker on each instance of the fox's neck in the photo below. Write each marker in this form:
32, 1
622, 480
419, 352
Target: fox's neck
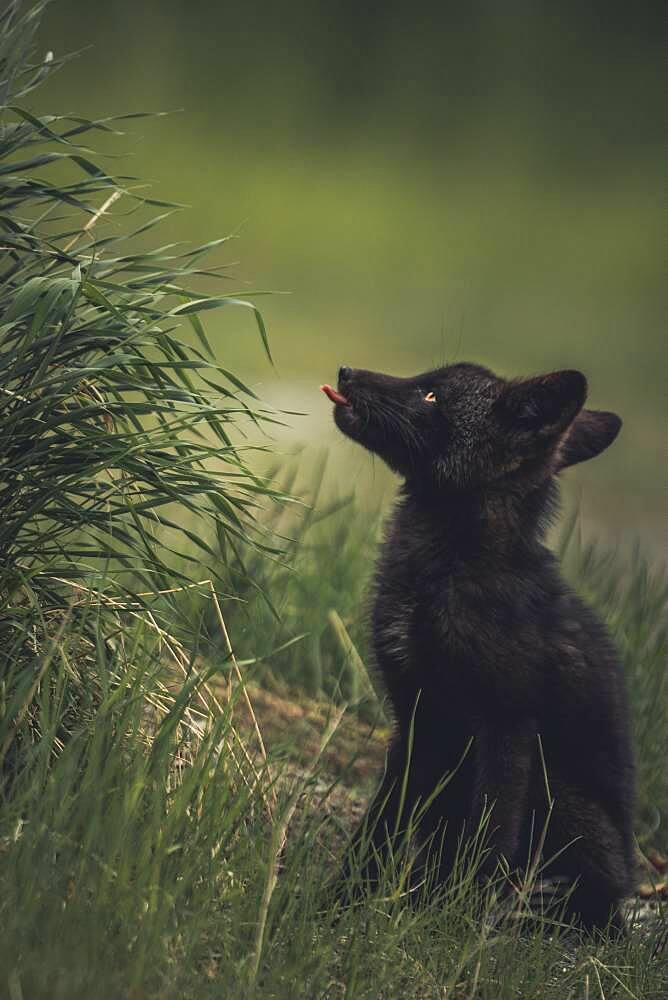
481, 521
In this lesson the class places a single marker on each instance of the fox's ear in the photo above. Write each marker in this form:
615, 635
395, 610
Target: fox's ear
545, 405
591, 432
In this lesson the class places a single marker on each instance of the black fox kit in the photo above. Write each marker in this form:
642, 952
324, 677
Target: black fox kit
479, 640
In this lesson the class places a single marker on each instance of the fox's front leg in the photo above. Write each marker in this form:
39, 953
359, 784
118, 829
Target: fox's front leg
504, 755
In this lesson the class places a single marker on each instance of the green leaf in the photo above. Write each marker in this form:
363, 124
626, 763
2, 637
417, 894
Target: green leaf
200, 305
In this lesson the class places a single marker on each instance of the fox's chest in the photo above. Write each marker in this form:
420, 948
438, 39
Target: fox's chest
414, 617
446, 605
455, 637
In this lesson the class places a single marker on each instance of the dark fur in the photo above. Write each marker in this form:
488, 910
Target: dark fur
478, 638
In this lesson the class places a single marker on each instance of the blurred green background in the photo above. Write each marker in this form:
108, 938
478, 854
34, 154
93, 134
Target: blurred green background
431, 182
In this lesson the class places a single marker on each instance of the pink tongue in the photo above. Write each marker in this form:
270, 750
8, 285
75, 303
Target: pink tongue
335, 396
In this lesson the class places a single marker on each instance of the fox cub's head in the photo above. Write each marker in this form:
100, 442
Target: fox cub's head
464, 426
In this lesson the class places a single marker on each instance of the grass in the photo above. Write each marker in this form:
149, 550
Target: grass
315, 588
153, 860
150, 844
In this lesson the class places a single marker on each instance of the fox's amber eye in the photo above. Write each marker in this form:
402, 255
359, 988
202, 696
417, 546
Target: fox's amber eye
430, 397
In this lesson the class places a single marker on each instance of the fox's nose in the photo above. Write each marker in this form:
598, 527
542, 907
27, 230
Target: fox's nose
344, 373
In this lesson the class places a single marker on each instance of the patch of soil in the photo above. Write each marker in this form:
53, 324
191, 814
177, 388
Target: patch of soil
292, 727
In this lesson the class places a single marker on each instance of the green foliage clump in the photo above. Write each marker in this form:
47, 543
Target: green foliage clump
117, 448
